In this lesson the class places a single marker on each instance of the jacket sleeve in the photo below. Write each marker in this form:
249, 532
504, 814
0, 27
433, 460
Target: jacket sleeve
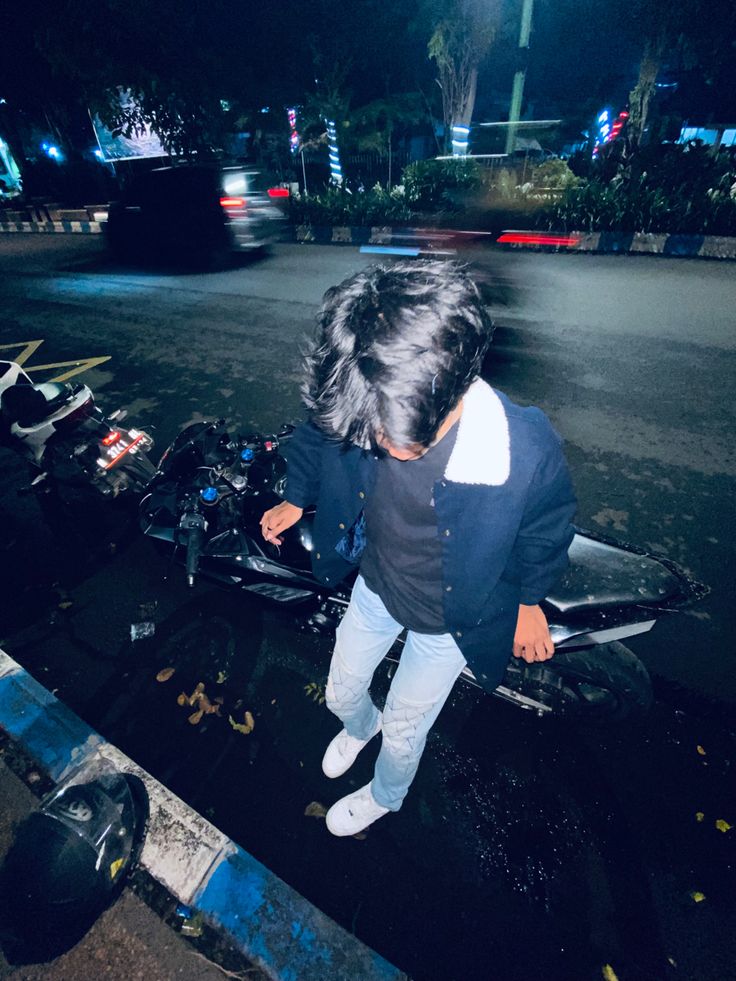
546, 529
304, 465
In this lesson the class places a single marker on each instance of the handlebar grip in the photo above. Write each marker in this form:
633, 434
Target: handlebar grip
194, 525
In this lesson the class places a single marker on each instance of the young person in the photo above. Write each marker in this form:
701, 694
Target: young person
455, 503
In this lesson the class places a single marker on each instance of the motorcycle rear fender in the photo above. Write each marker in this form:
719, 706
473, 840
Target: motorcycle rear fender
608, 575
35, 438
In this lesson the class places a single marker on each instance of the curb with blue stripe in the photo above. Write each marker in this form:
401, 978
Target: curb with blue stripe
273, 925
416, 241
412, 241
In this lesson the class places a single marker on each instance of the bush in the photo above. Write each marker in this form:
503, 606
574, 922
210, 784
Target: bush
442, 184
636, 206
338, 206
554, 174
666, 189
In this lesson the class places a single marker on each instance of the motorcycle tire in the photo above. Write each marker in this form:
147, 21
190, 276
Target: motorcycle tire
606, 682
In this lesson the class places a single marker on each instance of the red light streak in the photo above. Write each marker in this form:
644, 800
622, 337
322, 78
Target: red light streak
537, 238
112, 437
278, 192
232, 202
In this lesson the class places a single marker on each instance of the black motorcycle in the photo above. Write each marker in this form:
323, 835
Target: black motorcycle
204, 507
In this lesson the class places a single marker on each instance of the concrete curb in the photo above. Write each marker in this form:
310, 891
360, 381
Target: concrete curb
416, 240
272, 924
52, 227
707, 246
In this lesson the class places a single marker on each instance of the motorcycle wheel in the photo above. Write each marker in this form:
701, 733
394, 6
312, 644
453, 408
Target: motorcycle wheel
606, 682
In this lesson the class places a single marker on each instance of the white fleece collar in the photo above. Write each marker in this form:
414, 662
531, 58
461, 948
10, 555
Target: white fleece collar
482, 453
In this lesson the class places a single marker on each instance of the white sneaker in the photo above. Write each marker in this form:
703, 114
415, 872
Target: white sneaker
343, 752
354, 813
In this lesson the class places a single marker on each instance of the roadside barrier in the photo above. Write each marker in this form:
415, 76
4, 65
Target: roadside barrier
431, 241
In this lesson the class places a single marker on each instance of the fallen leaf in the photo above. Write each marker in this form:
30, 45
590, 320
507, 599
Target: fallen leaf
608, 973
221, 677
250, 721
116, 866
182, 699
273, 701
199, 688
697, 897
246, 727
195, 717
315, 810
164, 674
672, 961
65, 605
722, 825
699, 816
206, 705
701, 751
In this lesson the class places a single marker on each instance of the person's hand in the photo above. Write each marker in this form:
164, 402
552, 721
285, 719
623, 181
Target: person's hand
532, 639
278, 519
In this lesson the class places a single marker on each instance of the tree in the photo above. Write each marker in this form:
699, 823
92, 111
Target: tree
685, 35
375, 123
458, 45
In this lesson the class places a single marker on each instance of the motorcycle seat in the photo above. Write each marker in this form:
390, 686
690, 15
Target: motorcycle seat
26, 405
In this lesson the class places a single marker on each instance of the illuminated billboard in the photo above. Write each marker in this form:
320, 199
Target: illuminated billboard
115, 146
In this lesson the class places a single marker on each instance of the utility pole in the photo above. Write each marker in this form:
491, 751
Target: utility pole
517, 92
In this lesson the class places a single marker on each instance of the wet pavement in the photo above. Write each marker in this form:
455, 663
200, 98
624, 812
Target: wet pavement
527, 848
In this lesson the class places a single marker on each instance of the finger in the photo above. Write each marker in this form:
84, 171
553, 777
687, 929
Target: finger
540, 649
529, 655
517, 649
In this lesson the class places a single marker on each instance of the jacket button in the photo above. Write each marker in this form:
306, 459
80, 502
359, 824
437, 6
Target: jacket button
458, 633
447, 532
318, 556
361, 494
448, 589
341, 526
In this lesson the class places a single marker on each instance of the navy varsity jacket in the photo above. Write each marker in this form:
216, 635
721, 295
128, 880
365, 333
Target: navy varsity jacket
504, 508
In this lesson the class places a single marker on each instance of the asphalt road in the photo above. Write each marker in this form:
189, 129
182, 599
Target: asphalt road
633, 358
583, 846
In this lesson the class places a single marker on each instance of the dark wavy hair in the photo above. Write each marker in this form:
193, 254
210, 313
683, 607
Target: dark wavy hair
397, 347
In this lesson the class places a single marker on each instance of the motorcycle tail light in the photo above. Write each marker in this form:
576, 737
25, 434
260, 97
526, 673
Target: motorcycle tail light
112, 437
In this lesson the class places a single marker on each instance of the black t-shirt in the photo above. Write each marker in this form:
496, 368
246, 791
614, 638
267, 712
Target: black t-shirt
402, 561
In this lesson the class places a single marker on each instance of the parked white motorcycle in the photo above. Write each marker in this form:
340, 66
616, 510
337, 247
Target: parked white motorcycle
66, 440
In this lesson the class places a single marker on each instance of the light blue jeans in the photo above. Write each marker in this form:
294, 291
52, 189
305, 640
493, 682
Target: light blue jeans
429, 667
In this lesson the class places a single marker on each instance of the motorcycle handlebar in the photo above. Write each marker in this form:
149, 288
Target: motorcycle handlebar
194, 525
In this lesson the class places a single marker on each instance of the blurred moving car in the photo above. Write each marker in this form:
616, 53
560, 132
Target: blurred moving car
200, 213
